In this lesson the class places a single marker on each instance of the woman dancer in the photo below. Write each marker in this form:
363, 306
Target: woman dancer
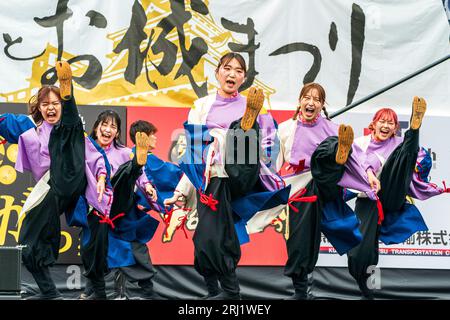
224, 177
117, 236
403, 170
322, 161
52, 146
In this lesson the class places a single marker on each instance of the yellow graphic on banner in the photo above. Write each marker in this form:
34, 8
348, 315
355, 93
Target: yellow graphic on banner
10, 223
66, 240
2, 153
113, 89
5, 216
7, 173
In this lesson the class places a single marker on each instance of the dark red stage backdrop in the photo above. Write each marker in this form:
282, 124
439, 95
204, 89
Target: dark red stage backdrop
266, 248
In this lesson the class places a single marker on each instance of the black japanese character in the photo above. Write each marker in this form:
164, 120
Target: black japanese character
357, 25
358, 21
9, 42
94, 70
191, 57
250, 47
438, 237
424, 237
96, 19
175, 20
333, 36
132, 41
311, 75
62, 14
199, 6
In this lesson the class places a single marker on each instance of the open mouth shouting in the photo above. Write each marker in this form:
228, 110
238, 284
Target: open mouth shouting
230, 83
385, 133
230, 75
105, 137
52, 116
310, 111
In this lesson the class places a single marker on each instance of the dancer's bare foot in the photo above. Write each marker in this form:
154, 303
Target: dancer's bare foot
255, 101
419, 106
64, 74
142, 144
345, 140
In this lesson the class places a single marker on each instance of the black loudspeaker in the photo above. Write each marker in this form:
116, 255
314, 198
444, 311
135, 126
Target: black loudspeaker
10, 268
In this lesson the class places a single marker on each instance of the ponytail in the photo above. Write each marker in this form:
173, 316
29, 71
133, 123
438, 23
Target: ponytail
296, 113
326, 113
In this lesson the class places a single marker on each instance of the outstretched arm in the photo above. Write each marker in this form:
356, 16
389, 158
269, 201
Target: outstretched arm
13, 125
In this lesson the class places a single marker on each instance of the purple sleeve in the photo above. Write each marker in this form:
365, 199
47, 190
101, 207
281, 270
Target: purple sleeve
360, 155
268, 133
94, 167
22, 161
422, 190
94, 160
32, 155
419, 188
355, 176
142, 182
269, 178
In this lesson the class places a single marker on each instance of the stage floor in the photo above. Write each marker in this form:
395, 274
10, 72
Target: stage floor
262, 283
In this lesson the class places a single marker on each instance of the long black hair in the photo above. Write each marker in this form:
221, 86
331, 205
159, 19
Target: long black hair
104, 117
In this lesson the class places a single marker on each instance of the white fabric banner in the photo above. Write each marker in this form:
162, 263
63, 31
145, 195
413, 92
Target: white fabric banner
164, 53
351, 47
